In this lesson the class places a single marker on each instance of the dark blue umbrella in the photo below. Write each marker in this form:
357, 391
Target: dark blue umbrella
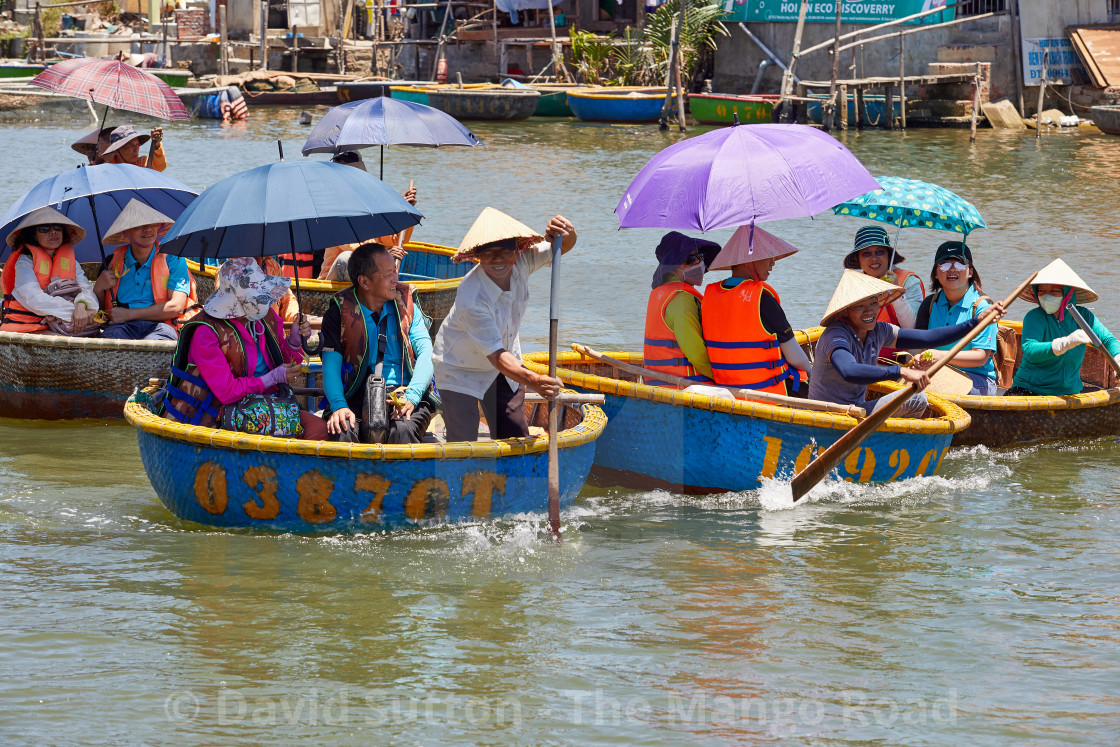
288, 207
93, 197
385, 121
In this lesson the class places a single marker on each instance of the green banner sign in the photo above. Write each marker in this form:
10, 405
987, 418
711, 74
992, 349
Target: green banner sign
851, 11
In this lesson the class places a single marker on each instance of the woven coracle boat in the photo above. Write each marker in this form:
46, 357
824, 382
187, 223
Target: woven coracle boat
428, 267
693, 443
51, 377
1020, 421
628, 104
228, 479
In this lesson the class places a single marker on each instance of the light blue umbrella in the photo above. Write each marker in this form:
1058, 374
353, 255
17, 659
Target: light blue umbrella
288, 207
385, 121
93, 197
909, 203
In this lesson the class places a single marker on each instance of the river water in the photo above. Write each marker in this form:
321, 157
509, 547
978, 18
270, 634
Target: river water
978, 606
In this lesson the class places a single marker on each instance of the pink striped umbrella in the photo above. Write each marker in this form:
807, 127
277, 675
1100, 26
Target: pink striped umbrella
115, 84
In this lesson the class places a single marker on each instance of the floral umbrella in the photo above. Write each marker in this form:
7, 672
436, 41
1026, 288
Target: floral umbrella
909, 203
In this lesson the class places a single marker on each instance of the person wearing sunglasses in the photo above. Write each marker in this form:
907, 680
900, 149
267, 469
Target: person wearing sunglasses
42, 254
1053, 342
956, 297
674, 336
874, 256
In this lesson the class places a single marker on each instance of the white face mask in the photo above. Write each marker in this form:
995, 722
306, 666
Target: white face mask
694, 274
1050, 304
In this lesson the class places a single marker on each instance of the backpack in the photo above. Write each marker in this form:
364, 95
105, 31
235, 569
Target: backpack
1006, 355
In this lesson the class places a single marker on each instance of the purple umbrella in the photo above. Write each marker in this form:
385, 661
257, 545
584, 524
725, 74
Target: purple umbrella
741, 175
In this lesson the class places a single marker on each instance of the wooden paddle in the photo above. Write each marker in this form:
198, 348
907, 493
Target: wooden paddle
816, 471
1093, 337
775, 399
554, 407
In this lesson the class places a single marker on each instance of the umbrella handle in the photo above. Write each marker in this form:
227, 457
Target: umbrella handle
313, 349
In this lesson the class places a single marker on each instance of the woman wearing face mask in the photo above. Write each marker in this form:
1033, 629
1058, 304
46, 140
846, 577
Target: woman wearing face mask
674, 338
236, 347
750, 341
956, 298
1053, 343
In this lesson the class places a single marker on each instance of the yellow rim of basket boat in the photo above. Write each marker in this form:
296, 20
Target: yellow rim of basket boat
1078, 401
586, 431
625, 93
325, 286
952, 418
47, 340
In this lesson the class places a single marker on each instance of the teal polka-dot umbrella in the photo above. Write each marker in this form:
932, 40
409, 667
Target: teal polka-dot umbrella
909, 203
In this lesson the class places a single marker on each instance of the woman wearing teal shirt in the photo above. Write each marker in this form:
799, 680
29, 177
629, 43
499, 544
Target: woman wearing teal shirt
956, 298
1053, 343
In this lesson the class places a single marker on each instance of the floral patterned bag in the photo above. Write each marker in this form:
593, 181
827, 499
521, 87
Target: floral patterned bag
264, 415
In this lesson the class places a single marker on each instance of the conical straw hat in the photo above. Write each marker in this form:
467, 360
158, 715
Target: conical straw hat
134, 215
855, 288
88, 144
1059, 273
46, 215
739, 250
490, 226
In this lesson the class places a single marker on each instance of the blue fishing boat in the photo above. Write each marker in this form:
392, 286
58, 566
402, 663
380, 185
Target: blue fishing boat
227, 479
699, 443
874, 107
617, 104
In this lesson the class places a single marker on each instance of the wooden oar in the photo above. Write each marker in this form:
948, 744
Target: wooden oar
816, 471
768, 397
1093, 337
554, 407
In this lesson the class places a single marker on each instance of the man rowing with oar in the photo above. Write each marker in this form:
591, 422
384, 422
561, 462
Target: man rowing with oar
848, 349
477, 352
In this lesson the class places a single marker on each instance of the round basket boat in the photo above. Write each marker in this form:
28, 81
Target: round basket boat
1020, 421
428, 267
52, 377
228, 479
698, 443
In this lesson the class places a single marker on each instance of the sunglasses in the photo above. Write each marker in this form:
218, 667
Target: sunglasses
47, 228
694, 258
952, 264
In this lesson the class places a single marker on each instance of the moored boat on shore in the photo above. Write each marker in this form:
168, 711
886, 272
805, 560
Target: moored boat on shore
698, 443
51, 377
1107, 119
617, 104
483, 101
427, 267
724, 108
1020, 421
228, 479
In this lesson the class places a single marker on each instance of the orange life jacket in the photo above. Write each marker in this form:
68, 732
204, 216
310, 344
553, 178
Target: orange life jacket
160, 277
354, 338
886, 314
17, 317
742, 352
303, 263
662, 353
189, 400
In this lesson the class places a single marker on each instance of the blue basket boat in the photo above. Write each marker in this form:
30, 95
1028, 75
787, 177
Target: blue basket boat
617, 104
227, 479
663, 438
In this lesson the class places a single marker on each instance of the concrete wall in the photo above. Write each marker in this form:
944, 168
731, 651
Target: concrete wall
986, 40
1049, 18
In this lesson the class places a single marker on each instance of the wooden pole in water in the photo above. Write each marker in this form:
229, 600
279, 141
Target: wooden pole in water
674, 30
1041, 95
975, 105
830, 115
902, 77
554, 408
787, 76
819, 468
842, 102
1017, 40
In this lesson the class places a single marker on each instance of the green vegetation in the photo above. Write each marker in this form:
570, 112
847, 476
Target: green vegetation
641, 58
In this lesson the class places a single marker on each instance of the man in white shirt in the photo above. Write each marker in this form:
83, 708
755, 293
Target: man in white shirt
477, 352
